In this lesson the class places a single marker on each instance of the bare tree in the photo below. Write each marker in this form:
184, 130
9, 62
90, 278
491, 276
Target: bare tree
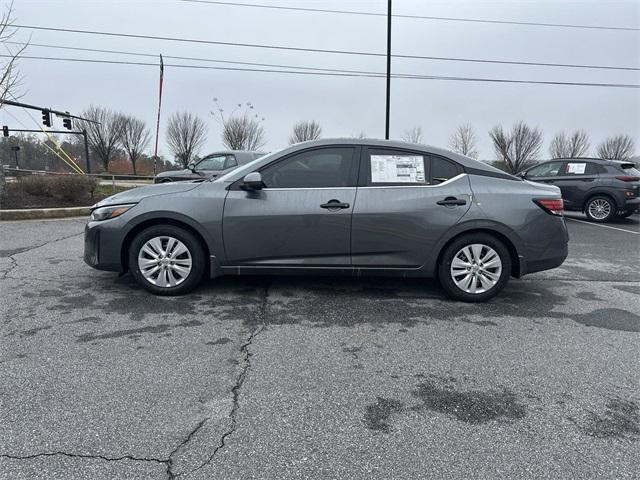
413, 135
463, 141
241, 129
134, 138
519, 148
10, 77
564, 145
305, 130
619, 147
103, 132
186, 134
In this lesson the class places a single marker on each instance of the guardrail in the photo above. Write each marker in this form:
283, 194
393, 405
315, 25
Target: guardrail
113, 177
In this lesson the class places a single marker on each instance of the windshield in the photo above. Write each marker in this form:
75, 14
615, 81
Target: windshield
214, 162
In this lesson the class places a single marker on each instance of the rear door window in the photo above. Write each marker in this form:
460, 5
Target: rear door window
443, 170
571, 169
394, 167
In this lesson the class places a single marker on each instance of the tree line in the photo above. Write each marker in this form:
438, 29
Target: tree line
119, 142
521, 146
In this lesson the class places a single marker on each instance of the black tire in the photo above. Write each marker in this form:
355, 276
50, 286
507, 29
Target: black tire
444, 268
606, 202
194, 247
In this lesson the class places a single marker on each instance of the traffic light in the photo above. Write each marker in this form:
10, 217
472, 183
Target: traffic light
5, 130
46, 118
66, 123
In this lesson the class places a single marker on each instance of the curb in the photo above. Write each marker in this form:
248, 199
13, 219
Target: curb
38, 213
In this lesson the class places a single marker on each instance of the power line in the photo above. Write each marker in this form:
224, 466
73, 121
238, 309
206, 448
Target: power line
314, 50
419, 17
200, 59
337, 74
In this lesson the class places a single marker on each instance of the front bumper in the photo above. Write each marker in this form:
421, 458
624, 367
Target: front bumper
102, 245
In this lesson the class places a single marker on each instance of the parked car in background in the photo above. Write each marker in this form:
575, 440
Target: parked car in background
602, 189
211, 166
344, 206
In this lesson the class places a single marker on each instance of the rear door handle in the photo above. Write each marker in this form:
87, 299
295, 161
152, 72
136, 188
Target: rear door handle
334, 204
452, 202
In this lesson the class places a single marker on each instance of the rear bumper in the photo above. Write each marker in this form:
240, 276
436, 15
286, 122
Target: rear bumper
549, 255
547, 263
631, 204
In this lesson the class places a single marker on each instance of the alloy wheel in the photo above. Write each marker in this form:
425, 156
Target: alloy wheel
476, 268
165, 261
599, 209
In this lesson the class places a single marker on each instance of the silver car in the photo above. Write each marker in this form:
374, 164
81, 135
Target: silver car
211, 166
346, 206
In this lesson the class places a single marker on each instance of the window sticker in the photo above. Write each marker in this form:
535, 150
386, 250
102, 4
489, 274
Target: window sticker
576, 168
397, 169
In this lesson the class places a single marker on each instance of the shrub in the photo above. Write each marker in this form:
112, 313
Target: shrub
66, 187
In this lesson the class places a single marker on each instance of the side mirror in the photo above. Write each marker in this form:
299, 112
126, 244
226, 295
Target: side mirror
252, 181
522, 175
192, 166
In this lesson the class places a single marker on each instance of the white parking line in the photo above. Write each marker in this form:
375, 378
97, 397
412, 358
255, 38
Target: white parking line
603, 226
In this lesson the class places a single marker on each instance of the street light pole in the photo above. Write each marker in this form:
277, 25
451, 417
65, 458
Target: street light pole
386, 130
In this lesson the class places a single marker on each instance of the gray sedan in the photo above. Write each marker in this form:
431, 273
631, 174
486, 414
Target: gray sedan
346, 206
211, 166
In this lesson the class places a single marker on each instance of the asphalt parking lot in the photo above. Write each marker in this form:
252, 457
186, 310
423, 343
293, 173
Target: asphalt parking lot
292, 378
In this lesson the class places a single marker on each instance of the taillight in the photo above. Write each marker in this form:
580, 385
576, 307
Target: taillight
554, 206
627, 178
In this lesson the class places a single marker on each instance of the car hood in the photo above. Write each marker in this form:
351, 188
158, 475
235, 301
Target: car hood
136, 194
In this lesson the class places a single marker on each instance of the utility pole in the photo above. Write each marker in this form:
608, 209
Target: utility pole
386, 130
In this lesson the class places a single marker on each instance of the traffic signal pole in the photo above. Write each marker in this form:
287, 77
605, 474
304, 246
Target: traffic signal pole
65, 132
86, 151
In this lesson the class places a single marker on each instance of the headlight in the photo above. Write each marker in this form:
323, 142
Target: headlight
113, 211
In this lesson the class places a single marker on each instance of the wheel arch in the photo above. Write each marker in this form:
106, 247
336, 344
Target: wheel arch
501, 232
599, 193
176, 221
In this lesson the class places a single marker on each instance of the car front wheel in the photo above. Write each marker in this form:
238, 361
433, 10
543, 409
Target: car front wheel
474, 268
600, 209
167, 260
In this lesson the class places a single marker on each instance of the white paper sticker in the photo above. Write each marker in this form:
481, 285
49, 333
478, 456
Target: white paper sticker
576, 168
397, 169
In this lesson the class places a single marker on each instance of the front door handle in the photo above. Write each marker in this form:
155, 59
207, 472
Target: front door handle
334, 204
452, 202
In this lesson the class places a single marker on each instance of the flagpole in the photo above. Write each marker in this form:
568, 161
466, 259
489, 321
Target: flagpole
155, 150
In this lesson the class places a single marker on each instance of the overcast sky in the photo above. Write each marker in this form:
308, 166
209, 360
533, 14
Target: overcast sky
344, 106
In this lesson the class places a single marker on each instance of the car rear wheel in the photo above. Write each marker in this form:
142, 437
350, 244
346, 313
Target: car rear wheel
600, 209
167, 260
474, 268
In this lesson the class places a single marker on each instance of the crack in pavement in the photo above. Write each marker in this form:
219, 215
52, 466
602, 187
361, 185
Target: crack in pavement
235, 391
14, 261
81, 455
